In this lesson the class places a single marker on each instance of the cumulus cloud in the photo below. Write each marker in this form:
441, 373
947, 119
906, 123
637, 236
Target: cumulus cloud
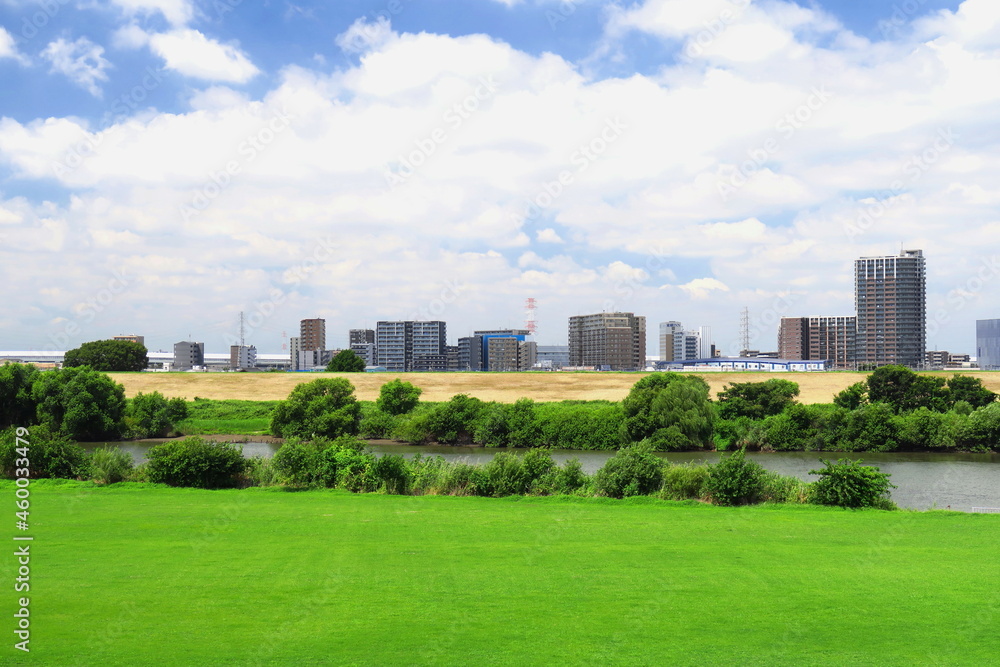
176, 12
737, 176
8, 48
81, 60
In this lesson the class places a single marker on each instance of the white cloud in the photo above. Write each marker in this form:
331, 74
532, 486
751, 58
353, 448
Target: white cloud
192, 54
8, 48
80, 60
643, 210
363, 35
176, 12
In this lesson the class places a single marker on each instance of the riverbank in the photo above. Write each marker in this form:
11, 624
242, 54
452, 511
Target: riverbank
326, 576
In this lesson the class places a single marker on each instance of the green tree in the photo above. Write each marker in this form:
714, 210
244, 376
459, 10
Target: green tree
325, 407
50, 455
346, 361
981, 430
735, 481
196, 462
108, 356
850, 484
397, 397
634, 470
852, 397
80, 403
970, 390
17, 406
870, 428
756, 400
670, 409
152, 415
903, 390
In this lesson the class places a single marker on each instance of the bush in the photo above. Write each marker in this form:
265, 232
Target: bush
259, 471
736, 481
109, 465
903, 390
633, 471
346, 463
376, 424
981, 431
455, 420
926, 429
397, 397
850, 484
757, 400
392, 473
503, 425
970, 390
152, 415
852, 397
296, 463
776, 488
870, 428
595, 425
325, 407
80, 403
684, 481
195, 462
50, 455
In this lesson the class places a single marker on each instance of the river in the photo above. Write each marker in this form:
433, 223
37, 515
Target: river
924, 480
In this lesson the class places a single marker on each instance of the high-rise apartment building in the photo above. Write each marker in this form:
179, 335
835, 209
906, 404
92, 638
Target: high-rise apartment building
832, 339
242, 357
615, 341
294, 348
667, 332
312, 334
470, 353
362, 343
988, 344
402, 346
890, 295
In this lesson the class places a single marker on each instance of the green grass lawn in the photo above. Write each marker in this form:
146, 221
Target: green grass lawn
141, 575
227, 417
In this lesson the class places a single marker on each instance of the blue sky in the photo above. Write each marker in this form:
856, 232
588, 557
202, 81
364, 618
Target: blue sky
165, 165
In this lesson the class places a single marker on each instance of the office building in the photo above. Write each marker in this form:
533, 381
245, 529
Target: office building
188, 354
510, 354
552, 357
312, 334
488, 336
988, 344
608, 341
668, 330
132, 338
890, 296
399, 345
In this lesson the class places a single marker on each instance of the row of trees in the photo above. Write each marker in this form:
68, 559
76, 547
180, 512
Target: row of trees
346, 463
82, 404
671, 412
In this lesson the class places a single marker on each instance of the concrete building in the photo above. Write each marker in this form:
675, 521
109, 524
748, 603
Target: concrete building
361, 336
132, 338
398, 345
188, 354
508, 354
988, 344
294, 348
470, 353
890, 296
242, 357
312, 333
608, 341
706, 348
668, 330
687, 345
487, 336
832, 339
366, 351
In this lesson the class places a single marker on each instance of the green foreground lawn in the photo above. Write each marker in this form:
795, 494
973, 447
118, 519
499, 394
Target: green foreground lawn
149, 575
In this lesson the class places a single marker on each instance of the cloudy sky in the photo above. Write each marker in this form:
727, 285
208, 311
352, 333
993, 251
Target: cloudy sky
166, 164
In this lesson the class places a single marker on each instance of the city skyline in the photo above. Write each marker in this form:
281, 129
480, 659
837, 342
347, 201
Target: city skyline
370, 161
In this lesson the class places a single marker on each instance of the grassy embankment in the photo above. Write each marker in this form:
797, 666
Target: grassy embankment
227, 417
144, 575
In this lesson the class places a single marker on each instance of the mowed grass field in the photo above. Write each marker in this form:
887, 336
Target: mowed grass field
141, 575
504, 387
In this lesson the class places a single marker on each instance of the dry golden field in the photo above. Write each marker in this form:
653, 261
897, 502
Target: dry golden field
506, 387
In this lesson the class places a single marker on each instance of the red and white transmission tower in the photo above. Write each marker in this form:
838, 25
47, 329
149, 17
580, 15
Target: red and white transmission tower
530, 306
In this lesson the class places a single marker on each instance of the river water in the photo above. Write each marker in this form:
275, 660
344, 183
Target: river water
924, 480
